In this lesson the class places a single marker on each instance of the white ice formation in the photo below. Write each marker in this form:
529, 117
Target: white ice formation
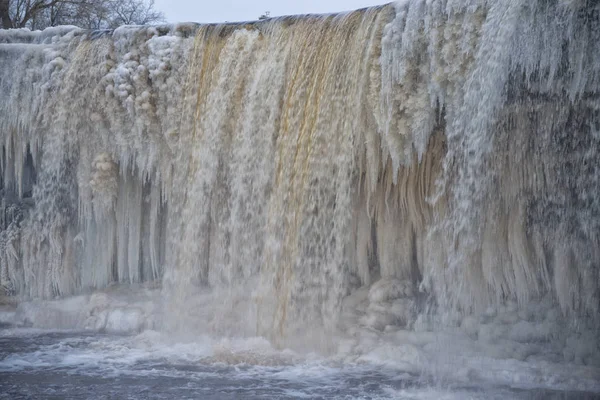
415, 165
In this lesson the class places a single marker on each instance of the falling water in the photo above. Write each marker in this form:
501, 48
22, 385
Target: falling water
424, 166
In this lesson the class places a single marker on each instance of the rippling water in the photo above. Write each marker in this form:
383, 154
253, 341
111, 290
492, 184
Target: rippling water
75, 365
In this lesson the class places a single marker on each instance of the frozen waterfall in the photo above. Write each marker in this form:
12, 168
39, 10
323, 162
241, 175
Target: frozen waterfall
418, 165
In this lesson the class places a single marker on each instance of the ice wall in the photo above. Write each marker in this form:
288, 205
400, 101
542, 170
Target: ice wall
435, 156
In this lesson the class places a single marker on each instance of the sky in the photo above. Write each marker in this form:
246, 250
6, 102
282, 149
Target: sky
244, 10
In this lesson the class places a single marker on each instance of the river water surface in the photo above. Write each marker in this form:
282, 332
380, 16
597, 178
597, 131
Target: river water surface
83, 365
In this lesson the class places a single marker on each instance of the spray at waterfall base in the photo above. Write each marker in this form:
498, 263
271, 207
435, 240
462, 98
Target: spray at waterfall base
388, 184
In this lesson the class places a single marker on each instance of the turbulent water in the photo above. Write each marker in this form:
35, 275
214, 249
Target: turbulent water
75, 365
416, 184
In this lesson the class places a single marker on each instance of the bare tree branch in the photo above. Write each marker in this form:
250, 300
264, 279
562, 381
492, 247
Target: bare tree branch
90, 14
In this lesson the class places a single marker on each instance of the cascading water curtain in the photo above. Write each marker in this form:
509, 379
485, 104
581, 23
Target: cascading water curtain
442, 154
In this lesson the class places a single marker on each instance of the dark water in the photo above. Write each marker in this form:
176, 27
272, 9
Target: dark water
79, 365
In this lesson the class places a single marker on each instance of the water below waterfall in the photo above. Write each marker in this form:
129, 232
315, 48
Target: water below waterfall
76, 365
412, 188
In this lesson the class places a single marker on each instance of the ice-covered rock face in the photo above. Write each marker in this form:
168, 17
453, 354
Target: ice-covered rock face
402, 166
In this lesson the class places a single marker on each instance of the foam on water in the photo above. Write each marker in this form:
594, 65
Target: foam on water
219, 367
248, 364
